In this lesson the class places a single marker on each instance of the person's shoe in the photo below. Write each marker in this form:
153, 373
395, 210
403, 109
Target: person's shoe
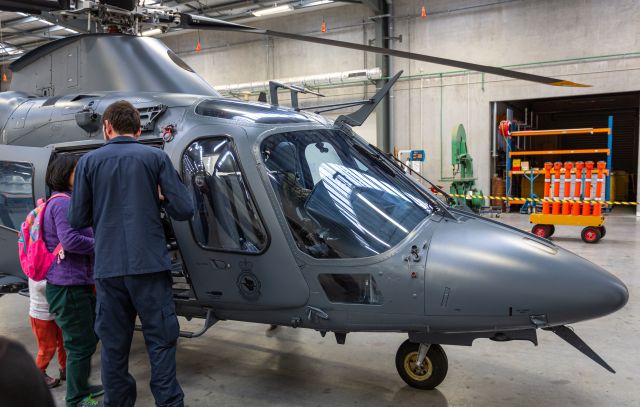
96, 390
63, 374
90, 402
50, 381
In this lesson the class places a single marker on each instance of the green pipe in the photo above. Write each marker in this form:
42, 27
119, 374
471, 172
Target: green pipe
441, 117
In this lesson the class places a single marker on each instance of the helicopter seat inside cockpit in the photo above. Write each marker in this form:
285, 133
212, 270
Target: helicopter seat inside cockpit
285, 167
286, 175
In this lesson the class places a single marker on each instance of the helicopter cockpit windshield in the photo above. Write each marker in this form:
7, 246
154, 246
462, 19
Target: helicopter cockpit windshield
339, 201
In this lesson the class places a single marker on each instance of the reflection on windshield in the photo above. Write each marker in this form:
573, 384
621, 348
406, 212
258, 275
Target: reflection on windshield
339, 202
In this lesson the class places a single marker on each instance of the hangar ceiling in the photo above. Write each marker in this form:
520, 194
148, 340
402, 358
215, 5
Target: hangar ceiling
21, 32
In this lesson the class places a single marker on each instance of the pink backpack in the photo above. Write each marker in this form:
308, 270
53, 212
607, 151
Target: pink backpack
35, 258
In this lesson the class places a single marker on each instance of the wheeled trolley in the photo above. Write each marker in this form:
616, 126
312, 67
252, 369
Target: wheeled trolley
593, 231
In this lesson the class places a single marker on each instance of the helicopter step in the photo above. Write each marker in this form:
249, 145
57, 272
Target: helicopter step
186, 301
182, 290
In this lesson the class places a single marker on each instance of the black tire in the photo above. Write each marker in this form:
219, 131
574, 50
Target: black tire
591, 234
552, 230
434, 370
543, 231
603, 231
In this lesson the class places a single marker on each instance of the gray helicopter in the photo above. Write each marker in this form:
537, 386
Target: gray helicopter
298, 221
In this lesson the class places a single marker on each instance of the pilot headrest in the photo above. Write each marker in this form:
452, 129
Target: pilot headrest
284, 157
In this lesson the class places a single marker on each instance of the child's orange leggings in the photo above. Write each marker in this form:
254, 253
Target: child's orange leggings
49, 338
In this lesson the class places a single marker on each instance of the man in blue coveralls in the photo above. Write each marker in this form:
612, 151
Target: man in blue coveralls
119, 189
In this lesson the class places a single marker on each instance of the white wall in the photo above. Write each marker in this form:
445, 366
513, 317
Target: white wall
509, 33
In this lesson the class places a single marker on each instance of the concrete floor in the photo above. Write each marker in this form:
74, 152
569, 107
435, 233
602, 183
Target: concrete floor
236, 364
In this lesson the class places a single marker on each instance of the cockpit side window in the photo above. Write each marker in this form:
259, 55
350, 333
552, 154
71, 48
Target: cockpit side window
339, 198
16, 193
225, 215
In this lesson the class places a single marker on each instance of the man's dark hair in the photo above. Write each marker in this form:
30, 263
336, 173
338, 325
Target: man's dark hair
123, 116
59, 171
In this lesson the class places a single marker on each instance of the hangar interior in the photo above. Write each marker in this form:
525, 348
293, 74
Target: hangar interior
592, 42
591, 111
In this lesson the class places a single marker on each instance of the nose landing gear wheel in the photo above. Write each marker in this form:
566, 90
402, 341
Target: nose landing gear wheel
425, 377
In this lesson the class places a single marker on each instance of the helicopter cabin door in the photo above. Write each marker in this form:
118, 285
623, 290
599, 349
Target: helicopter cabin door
233, 249
22, 175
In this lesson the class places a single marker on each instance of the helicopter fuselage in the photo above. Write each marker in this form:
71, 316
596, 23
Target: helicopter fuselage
455, 276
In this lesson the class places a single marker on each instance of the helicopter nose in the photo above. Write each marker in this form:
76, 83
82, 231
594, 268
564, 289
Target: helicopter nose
589, 290
514, 277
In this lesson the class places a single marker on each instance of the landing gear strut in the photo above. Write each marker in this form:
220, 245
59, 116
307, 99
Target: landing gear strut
421, 365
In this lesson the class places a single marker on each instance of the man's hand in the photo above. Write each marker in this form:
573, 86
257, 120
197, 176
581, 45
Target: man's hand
160, 196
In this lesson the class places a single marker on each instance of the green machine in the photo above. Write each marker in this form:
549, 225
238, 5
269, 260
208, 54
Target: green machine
463, 181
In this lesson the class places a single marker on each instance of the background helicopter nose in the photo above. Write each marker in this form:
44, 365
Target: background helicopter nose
512, 274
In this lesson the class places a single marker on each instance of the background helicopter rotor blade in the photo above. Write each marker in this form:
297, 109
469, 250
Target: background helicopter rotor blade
31, 6
190, 21
38, 6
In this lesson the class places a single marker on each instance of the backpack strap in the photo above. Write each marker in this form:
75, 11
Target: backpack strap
59, 195
59, 250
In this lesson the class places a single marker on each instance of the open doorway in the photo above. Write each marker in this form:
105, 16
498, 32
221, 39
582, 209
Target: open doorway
570, 113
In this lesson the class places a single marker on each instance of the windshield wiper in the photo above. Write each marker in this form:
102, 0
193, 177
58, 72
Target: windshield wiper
376, 158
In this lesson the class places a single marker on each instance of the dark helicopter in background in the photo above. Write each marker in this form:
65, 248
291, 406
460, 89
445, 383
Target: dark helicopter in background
299, 222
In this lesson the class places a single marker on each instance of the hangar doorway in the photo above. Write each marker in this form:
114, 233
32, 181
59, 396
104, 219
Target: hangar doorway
569, 113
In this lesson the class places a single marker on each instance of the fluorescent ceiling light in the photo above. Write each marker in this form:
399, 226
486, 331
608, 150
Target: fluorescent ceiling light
272, 10
317, 3
151, 33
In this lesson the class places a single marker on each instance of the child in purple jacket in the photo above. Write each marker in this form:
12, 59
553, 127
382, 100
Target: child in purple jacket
70, 285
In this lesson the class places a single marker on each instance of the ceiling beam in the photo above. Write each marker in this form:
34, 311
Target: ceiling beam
377, 6
39, 32
18, 21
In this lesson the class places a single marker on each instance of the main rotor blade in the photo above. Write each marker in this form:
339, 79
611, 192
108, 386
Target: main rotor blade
201, 22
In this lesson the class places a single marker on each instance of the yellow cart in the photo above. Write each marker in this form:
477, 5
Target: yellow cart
594, 230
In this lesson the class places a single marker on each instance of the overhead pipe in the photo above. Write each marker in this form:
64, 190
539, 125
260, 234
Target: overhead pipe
332, 78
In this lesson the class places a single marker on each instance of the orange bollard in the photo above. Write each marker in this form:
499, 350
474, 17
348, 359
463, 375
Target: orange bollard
601, 166
567, 178
557, 166
578, 188
586, 209
597, 209
575, 209
587, 182
546, 206
555, 208
566, 206
547, 179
